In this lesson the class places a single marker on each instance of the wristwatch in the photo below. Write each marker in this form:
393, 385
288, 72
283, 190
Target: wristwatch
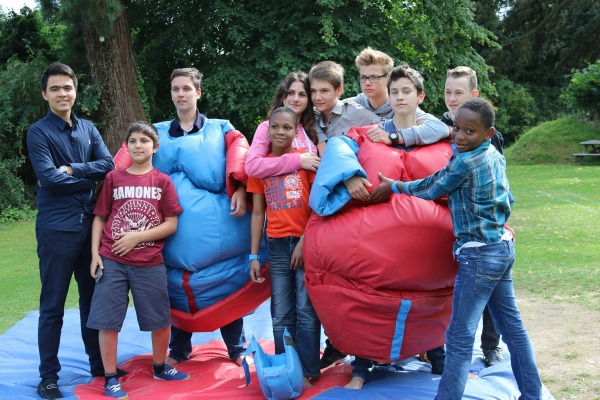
394, 138
253, 257
63, 169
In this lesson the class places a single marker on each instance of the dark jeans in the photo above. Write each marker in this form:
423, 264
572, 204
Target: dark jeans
437, 357
61, 255
233, 336
490, 339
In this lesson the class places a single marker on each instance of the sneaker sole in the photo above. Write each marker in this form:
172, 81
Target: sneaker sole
171, 380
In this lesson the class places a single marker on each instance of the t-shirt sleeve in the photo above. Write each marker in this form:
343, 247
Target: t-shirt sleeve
169, 201
255, 185
104, 200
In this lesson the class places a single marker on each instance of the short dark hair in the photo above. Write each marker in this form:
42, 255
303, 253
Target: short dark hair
143, 127
328, 71
57, 69
482, 107
193, 73
286, 110
404, 71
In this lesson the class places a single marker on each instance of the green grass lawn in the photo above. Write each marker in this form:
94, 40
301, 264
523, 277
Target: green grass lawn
19, 273
556, 218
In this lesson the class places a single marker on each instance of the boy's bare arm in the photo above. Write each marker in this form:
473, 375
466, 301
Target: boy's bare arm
256, 229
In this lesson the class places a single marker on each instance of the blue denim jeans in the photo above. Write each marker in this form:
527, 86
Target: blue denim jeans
484, 277
290, 306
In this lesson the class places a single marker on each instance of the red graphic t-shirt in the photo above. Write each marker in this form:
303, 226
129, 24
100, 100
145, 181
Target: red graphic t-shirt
136, 203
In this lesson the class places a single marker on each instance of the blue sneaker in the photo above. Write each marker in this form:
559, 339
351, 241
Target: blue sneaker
171, 374
113, 389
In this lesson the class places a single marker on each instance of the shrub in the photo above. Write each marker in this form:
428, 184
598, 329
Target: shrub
516, 111
583, 93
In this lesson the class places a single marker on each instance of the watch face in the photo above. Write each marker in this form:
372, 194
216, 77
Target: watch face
393, 136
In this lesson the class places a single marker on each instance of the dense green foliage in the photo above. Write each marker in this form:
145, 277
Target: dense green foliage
553, 142
541, 42
516, 109
583, 93
245, 48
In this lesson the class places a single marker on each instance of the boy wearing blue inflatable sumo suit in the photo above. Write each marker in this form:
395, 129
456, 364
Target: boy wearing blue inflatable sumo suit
185, 93
480, 203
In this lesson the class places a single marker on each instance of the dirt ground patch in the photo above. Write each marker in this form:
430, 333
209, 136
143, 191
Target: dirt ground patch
566, 339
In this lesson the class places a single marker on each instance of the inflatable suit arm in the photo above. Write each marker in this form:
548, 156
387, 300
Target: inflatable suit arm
339, 163
122, 158
236, 148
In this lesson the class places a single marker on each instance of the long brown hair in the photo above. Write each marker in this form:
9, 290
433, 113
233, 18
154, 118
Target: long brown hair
308, 116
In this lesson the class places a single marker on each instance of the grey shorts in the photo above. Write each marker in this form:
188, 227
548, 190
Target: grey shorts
111, 297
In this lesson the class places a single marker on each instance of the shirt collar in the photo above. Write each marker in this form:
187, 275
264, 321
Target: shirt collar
61, 123
176, 130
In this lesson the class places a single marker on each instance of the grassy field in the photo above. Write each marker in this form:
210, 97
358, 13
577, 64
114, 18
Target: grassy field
556, 217
19, 273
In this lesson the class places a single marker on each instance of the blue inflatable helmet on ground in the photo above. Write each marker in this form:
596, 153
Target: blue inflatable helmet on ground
280, 375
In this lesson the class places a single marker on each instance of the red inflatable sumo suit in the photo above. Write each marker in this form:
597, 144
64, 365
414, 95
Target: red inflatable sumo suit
380, 276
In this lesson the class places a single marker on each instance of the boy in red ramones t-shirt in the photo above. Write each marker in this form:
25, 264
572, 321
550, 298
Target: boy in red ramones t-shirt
136, 209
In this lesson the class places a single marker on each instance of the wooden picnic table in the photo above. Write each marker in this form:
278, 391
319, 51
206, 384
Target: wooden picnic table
591, 148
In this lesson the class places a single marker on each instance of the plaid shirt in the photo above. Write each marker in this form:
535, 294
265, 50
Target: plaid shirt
478, 194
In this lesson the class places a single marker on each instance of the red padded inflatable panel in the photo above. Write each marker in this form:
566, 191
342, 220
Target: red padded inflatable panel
381, 276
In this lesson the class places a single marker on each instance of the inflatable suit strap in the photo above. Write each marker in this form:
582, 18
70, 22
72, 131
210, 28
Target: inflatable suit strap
280, 376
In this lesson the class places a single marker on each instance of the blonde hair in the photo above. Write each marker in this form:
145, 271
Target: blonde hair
461, 71
370, 56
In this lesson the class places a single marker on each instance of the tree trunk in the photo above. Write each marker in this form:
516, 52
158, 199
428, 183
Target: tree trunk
112, 68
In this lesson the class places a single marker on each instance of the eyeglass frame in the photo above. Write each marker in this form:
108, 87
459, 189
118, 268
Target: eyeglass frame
371, 78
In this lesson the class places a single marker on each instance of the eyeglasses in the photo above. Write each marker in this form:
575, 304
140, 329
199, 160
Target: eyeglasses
370, 78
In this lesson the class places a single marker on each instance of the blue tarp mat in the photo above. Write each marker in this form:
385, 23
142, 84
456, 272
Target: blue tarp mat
409, 379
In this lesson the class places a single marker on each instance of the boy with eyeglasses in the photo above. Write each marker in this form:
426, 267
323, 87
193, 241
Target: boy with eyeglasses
374, 68
335, 117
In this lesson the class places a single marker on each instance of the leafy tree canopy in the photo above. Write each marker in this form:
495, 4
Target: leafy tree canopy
245, 48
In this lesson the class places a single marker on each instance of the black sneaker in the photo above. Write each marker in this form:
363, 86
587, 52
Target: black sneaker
100, 372
492, 356
330, 355
48, 389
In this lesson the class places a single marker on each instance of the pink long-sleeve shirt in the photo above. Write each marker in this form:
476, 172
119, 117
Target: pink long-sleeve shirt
261, 166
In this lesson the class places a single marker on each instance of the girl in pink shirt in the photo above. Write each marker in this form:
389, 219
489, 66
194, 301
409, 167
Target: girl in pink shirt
292, 92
